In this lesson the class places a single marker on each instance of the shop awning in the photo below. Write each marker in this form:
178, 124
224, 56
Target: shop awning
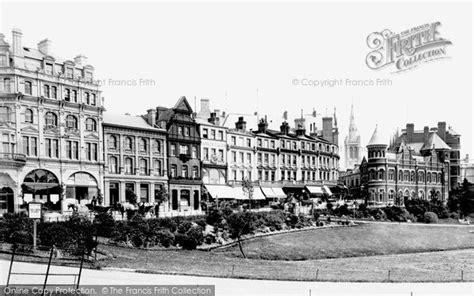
279, 192
257, 194
316, 190
221, 191
327, 190
271, 192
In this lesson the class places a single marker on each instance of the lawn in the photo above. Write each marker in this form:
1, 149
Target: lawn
357, 241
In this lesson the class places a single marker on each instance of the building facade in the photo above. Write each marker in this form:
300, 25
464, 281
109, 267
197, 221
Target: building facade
352, 148
136, 162
467, 169
405, 170
51, 127
184, 159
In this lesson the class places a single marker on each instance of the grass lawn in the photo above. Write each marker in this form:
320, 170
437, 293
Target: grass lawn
362, 240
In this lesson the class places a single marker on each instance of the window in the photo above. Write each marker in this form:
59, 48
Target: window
259, 158
30, 146
113, 142
49, 68
183, 149
157, 146
195, 172
220, 135
157, 166
233, 140
93, 99
184, 171
28, 88
46, 90
187, 131
249, 143
249, 158
128, 143
71, 122
113, 165
7, 85
91, 125
194, 152
259, 142
29, 116
74, 96
143, 166
221, 155
272, 144
265, 143
3, 60
128, 165
91, 151
72, 151
143, 145
173, 150
87, 98
180, 131
213, 134
51, 119
206, 154
54, 92
69, 72
52, 148
173, 171
67, 94
381, 174
205, 133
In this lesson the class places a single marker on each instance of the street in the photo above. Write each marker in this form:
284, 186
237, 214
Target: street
226, 286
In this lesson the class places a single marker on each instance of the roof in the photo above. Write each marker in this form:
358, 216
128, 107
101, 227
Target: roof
434, 141
376, 139
128, 121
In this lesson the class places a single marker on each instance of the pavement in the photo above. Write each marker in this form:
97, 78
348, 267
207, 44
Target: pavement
227, 286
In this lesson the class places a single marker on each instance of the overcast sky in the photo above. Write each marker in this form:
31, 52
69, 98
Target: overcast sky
209, 50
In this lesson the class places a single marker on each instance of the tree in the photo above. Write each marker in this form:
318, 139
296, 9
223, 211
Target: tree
130, 196
247, 187
241, 224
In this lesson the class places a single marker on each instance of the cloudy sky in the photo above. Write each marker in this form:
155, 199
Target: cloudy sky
148, 54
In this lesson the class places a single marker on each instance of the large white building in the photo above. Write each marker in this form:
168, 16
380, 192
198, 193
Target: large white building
50, 125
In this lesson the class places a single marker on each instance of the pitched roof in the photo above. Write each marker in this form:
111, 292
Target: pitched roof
128, 121
435, 141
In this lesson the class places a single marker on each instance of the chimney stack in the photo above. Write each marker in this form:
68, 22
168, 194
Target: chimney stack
442, 130
426, 134
241, 124
17, 46
284, 128
214, 119
44, 46
151, 117
410, 132
263, 125
80, 60
327, 128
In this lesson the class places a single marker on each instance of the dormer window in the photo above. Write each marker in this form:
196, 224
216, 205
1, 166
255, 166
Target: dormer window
88, 76
3, 60
69, 72
49, 68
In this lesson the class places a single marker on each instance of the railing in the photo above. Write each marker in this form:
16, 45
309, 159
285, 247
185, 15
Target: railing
13, 156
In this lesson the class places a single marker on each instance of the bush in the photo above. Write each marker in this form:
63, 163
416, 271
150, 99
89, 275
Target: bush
165, 238
184, 226
292, 220
430, 217
274, 220
104, 224
202, 223
342, 211
396, 214
21, 237
241, 223
168, 223
210, 239
378, 214
57, 234
196, 233
185, 242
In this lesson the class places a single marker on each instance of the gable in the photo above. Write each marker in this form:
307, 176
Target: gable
183, 105
29, 129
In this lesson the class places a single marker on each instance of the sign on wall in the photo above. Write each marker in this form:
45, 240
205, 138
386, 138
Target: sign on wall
34, 210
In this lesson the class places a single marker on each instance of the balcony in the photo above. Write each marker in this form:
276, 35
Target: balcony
13, 158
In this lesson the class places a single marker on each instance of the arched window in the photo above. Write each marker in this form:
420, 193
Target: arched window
143, 166
93, 100
184, 171
143, 145
113, 142
412, 176
128, 165
391, 194
428, 177
400, 176
7, 85
173, 171
91, 125
195, 172
406, 176
67, 94
71, 122
51, 119
157, 166
439, 178
433, 177
157, 146
87, 98
46, 91
29, 116
128, 143
113, 165
421, 177
381, 174
28, 88
54, 92
74, 96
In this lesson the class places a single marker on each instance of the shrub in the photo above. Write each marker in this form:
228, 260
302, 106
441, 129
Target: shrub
165, 238
196, 233
214, 217
21, 237
430, 217
292, 220
342, 211
168, 223
184, 226
201, 222
104, 224
396, 214
210, 239
378, 214
57, 234
274, 220
185, 241
241, 223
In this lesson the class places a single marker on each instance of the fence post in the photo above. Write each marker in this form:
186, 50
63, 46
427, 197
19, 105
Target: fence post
233, 267
389, 275
462, 275
317, 273
47, 271
11, 264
